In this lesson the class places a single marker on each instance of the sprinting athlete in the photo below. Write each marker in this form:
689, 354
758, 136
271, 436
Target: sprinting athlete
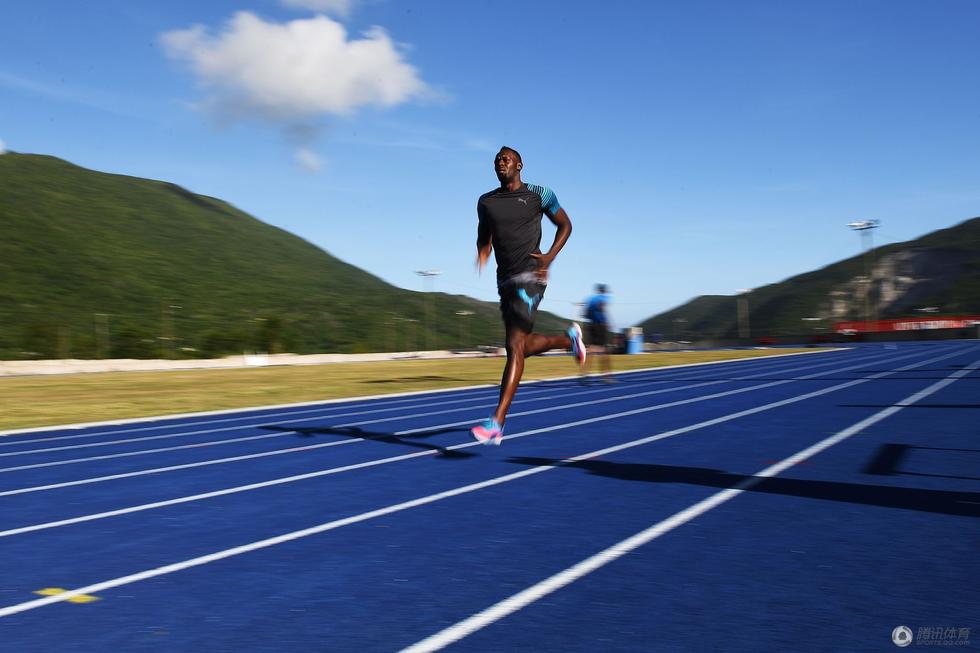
510, 225
597, 315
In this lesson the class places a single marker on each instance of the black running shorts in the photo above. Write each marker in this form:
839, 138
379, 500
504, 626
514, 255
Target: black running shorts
598, 335
519, 301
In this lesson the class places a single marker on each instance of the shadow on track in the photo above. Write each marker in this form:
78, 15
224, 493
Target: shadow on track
937, 501
374, 436
888, 458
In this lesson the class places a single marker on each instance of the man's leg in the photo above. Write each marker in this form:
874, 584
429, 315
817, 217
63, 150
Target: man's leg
605, 364
520, 345
594, 348
518, 306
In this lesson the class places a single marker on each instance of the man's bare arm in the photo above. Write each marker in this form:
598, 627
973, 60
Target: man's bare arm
564, 224
483, 246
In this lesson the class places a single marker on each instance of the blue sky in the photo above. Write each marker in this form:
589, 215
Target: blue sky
698, 147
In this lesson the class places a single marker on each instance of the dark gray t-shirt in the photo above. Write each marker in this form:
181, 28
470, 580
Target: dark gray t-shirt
514, 222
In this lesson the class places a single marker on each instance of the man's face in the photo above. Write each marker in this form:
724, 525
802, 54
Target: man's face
506, 165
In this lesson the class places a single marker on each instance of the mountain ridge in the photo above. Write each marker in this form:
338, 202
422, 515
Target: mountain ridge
103, 264
939, 270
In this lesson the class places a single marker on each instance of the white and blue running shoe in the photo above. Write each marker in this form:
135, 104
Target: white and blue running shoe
578, 345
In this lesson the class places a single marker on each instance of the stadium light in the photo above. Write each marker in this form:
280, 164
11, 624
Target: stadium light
410, 330
464, 328
865, 228
863, 225
428, 276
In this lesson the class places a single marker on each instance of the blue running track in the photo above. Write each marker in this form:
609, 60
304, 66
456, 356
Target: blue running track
809, 502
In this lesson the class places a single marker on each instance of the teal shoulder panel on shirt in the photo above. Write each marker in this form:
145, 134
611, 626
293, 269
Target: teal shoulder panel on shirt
549, 201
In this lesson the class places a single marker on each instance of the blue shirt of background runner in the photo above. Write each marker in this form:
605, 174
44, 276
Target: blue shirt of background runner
595, 309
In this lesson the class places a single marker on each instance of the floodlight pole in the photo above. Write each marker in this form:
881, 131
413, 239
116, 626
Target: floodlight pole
464, 326
409, 331
428, 275
864, 228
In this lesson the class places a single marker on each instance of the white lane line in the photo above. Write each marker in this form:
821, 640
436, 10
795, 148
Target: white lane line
144, 452
327, 402
173, 468
266, 419
259, 420
170, 468
211, 443
691, 400
236, 427
171, 419
635, 395
373, 463
414, 503
522, 400
319, 413
538, 591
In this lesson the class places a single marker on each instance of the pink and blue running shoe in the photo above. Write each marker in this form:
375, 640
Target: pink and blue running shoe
578, 345
489, 431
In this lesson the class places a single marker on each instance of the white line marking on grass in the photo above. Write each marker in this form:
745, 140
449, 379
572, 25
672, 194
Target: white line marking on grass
261, 420
538, 591
394, 395
230, 411
181, 434
158, 470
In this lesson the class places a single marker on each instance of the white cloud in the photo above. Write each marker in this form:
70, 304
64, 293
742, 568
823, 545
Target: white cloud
294, 71
335, 7
308, 160
3, 147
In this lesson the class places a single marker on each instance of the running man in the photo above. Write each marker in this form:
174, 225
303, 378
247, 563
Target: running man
510, 225
597, 313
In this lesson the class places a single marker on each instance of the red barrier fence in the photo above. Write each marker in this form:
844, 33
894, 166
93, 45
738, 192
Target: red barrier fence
907, 324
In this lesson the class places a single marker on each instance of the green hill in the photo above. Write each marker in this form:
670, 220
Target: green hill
103, 265
939, 270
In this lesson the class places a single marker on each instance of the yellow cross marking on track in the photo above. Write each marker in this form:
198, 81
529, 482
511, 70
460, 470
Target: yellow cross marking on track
54, 591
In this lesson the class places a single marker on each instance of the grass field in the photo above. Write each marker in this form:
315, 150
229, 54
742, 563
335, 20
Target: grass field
51, 400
